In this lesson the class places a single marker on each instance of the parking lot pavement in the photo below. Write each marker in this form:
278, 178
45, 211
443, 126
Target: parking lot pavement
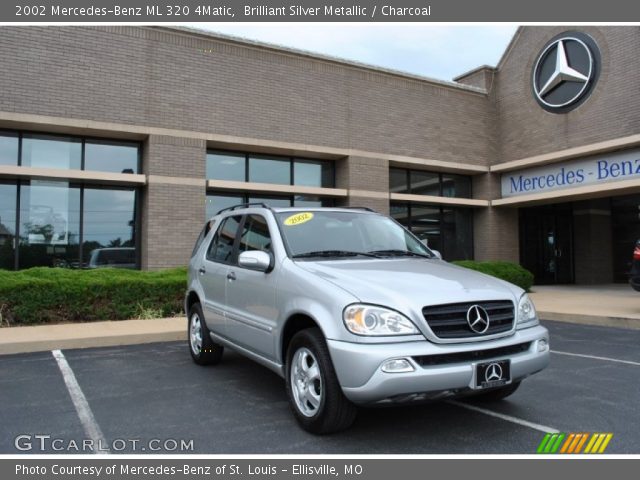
154, 392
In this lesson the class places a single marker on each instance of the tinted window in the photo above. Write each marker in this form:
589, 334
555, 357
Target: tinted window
456, 185
217, 202
312, 201
255, 234
51, 152
313, 174
111, 157
49, 224
108, 221
272, 201
424, 183
425, 224
226, 166
8, 149
398, 180
447, 229
269, 170
221, 248
8, 198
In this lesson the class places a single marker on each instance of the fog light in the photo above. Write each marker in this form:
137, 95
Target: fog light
397, 365
543, 346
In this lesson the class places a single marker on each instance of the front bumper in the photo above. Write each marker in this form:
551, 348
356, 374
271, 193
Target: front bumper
358, 367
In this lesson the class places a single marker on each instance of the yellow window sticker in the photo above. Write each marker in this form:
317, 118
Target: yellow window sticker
298, 219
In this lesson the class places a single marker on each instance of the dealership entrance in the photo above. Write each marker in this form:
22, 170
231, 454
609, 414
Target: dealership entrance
582, 242
546, 243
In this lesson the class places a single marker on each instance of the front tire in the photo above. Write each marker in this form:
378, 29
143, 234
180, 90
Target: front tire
314, 393
204, 351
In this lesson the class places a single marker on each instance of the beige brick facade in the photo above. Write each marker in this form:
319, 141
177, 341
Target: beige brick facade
180, 92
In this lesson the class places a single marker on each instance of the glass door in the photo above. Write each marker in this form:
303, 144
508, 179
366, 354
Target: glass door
546, 243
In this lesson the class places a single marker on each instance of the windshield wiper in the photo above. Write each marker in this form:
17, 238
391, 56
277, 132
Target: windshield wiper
334, 253
399, 253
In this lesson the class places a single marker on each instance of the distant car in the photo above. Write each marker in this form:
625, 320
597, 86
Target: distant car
116, 257
634, 275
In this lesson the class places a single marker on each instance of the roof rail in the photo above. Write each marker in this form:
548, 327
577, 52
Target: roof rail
245, 205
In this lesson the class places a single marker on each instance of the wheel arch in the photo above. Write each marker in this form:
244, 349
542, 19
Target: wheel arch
191, 298
294, 324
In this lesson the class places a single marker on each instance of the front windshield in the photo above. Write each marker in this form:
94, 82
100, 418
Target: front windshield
342, 233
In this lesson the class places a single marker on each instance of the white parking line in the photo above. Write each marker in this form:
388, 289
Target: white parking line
91, 427
607, 359
502, 416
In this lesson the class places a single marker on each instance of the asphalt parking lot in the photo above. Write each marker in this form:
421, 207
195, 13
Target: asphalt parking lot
152, 396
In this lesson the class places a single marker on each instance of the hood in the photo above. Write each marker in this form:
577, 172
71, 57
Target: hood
411, 283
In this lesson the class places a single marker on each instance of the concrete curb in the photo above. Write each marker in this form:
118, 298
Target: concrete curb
95, 334
595, 320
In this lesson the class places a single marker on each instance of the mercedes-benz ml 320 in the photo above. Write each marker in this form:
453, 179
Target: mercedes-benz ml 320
350, 308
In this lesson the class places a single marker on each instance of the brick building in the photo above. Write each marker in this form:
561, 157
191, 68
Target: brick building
116, 142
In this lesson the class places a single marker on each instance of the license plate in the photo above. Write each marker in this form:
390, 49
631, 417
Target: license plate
493, 374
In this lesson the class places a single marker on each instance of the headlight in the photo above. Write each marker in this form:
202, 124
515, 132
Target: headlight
527, 316
371, 320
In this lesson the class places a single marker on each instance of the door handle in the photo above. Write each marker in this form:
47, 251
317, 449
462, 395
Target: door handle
202, 271
231, 276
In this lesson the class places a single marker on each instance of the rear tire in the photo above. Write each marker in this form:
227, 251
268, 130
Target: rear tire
204, 351
498, 393
314, 393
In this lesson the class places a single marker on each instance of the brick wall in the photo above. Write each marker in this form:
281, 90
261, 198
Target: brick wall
495, 229
172, 213
525, 129
157, 77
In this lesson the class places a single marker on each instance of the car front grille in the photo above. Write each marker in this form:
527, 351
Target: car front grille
450, 321
471, 356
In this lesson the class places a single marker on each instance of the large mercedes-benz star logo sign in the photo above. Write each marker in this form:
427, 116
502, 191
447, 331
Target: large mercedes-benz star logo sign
478, 319
493, 373
565, 71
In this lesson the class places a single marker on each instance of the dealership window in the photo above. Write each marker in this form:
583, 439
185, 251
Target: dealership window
61, 224
226, 166
66, 152
270, 170
8, 201
8, 148
106, 156
249, 167
446, 229
216, 201
49, 224
45, 151
108, 221
422, 182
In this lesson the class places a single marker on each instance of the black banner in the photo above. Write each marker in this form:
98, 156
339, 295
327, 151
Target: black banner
301, 468
317, 11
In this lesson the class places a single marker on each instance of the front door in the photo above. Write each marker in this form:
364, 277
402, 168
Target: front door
546, 243
251, 295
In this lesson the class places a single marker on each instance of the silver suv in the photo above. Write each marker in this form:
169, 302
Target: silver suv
352, 309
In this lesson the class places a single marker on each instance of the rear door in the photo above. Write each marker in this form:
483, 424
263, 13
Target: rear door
213, 272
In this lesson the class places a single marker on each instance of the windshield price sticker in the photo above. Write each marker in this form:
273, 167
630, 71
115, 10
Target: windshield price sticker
298, 219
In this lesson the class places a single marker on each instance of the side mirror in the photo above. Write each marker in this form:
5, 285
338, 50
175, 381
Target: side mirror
437, 254
255, 260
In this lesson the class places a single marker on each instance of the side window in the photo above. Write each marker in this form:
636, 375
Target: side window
203, 233
255, 234
221, 247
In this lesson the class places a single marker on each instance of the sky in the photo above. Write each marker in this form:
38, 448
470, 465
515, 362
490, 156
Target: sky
436, 51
